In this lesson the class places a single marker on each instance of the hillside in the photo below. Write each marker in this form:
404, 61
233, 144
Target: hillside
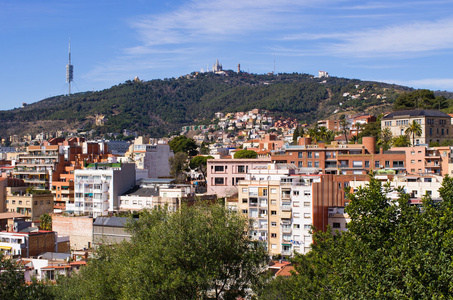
158, 107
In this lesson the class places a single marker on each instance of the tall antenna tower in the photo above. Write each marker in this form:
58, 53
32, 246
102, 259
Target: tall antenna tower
69, 70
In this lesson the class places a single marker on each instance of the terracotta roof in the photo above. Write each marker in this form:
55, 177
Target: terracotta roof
78, 263
285, 271
10, 215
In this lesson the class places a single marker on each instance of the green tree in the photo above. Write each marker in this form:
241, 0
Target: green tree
414, 129
13, 285
198, 163
45, 222
385, 138
198, 251
245, 154
344, 126
183, 144
178, 164
295, 135
392, 250
401, 141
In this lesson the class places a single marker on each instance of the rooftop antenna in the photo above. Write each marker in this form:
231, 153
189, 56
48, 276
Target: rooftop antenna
69, 70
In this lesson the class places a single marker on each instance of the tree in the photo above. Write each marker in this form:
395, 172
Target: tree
45, 222
199, 163
183, 144
385, 138
185, 255
392, 250
401, 141
178, 164
245, 154
295, 135
13, 285
414, 129
344, 126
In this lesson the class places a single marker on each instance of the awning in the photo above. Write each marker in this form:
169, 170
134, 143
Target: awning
5, 248
286, 244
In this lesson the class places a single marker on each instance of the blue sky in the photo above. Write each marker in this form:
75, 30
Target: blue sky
403, 42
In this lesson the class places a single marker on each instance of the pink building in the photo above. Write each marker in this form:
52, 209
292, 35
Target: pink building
224, 174
423, 159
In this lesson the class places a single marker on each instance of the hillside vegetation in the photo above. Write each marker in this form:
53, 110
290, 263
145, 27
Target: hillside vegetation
159, 107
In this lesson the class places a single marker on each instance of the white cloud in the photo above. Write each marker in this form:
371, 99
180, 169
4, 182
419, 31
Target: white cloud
419, 37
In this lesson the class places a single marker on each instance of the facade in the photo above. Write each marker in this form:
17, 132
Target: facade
29, 204
27, 244
424, 159
333, 125
98, 186
340, 159
436, 125
152, 160
110, 230
223, 175
79, 230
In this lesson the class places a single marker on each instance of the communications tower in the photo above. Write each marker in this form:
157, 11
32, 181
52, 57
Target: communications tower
69, 70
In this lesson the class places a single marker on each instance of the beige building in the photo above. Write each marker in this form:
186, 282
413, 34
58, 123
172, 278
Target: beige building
32, 205
436, 125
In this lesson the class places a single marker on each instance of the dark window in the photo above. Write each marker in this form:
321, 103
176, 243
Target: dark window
336, 225
241, 169
219, 181
273, 212
219, 169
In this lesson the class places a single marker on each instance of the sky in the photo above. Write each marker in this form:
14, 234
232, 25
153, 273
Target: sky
403, 42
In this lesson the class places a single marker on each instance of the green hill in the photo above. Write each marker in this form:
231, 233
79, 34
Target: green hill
158, 107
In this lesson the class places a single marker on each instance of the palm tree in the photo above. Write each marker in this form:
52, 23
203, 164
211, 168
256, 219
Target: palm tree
46, 222
344, 126
414, 129
385, 138
314, 133
401, 141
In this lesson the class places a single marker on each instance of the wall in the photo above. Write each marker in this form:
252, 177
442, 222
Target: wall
79, 230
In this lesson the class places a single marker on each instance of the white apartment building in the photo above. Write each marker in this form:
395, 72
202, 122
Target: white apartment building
98, 186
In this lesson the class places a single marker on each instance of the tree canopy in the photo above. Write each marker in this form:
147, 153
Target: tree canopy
421, 99
245, 154
197, 252
392, 250
183, 144
199, 163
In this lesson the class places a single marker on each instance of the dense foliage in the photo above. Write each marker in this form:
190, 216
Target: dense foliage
392, 250
159, 107
200, 251
245, 154
420, 99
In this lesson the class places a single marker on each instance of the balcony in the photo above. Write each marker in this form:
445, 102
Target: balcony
286, 229
253, 204
286, 195
286, 252
286, 207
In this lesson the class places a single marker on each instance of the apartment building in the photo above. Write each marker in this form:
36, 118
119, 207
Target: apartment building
29, 203
436, 125
424, 159
98, 186
223, 175
340, 159
152, 160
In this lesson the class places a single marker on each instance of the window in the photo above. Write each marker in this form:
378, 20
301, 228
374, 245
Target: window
300, 164
273, 224
307, 193
273, 212
429, 193
244, 211
300, 155
244, 190
273, 246
357, 163
413, 161
307, 215
316, 164
273, 235
377, 164
296, 193
296, 226
336, 225
306, 204
307, 226
309, 164
309, 154
367, 164
241, 169
244, 200
264, 192
273, 191
273, 202
296, 203
219, 181
218, 169
316, 154
387, 164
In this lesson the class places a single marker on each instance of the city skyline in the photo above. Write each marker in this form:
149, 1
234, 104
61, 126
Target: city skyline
402, 42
